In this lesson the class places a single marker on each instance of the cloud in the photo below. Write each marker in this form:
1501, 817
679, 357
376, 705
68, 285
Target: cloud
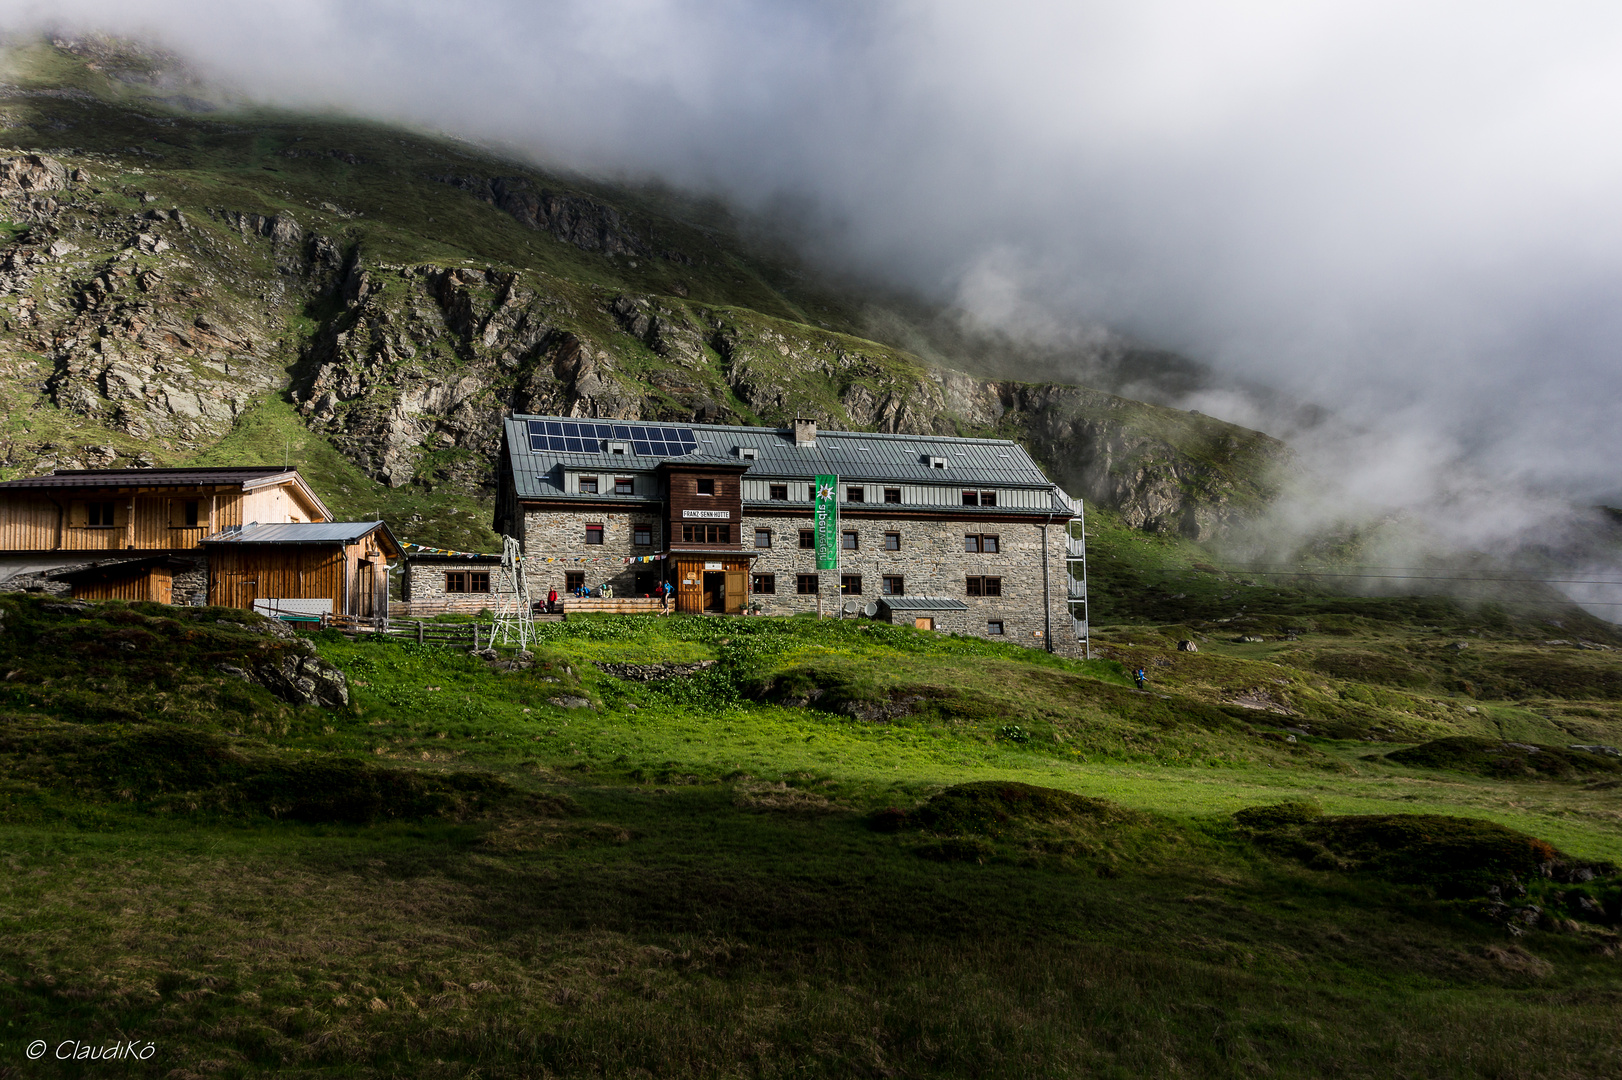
1406, 211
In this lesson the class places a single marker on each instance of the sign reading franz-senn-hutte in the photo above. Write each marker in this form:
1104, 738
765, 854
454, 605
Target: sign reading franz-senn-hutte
724, 515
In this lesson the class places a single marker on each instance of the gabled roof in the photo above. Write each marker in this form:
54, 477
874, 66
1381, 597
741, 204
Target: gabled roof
852, 455
245, 478
319, 532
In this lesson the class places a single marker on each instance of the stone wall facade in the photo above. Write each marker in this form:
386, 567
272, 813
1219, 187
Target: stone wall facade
931, 561
560, 535
423, 589
189, 588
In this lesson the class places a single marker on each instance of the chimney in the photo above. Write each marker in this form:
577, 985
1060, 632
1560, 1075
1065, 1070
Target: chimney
805, 431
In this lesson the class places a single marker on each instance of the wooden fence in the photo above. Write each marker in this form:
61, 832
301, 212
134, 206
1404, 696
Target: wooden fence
473, 635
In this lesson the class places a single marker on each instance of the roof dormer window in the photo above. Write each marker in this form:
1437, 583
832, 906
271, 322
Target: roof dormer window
937, 463
749, 453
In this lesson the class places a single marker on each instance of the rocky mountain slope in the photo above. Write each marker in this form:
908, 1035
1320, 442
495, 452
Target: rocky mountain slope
184, 283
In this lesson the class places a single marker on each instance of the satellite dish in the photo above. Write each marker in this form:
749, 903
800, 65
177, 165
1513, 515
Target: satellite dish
852, 606
871, 609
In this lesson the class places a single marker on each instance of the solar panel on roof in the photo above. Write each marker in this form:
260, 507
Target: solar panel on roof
640, 446
554, 428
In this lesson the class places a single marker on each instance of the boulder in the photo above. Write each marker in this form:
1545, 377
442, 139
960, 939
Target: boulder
1187, 646
31, 173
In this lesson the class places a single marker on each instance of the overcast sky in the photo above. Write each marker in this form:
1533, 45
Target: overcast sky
1408, 211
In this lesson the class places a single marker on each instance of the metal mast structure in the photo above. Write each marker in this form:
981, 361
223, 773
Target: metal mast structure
513, 619
1075, 561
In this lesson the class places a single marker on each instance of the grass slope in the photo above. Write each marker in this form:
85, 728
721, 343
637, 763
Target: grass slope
958, 858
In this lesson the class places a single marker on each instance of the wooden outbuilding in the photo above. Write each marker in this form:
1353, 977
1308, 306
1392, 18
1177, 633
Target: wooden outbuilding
138, 533
150, 579
331, 568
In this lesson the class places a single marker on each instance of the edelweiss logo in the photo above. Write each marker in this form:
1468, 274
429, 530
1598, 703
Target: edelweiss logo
826, 491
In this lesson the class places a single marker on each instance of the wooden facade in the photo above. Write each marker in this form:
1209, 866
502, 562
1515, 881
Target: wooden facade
714, 582
132, 518
351, 574
709, 566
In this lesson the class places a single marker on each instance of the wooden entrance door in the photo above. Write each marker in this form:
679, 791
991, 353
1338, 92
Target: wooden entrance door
366, 587
715, 590
737, 591
924, 623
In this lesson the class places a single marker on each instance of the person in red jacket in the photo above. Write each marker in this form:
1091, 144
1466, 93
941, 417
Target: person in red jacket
552, 602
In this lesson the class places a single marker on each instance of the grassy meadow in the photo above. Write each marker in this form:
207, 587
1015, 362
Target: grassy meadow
840, 849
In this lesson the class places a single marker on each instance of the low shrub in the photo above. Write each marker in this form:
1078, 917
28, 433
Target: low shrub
174, 769
1505, 760
1274, 815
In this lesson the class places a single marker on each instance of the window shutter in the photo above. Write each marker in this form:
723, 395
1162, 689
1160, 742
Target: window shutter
78, 516
121, 514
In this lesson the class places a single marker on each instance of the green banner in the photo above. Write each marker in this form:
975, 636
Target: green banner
827, 518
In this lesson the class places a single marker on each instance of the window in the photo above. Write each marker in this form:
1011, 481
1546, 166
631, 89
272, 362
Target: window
988, 498
99, 515
763, 538
892, 541
706, 534
984, 586
937, 463
849, 540
624, 485
805, 584
647, 582
642, 535
779, 492
808, 538
892, 495
980, 542
994, 627
588, 485
594, 533
185, 513
706, 487
749, 453
850, 585
574, 579
971, 498
764, 583
465, 581
855, 494
894, 585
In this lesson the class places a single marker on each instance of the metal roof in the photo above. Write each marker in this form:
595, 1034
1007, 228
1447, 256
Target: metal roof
248, 478
852, 455
66, 478
923, 603
302, 532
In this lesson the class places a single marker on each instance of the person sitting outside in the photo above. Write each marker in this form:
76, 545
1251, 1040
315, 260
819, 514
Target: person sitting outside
606, 592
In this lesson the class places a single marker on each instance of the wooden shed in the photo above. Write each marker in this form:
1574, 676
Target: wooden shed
335, 567
150, 579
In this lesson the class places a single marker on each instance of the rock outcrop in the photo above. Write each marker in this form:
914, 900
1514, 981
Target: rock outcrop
151, 328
